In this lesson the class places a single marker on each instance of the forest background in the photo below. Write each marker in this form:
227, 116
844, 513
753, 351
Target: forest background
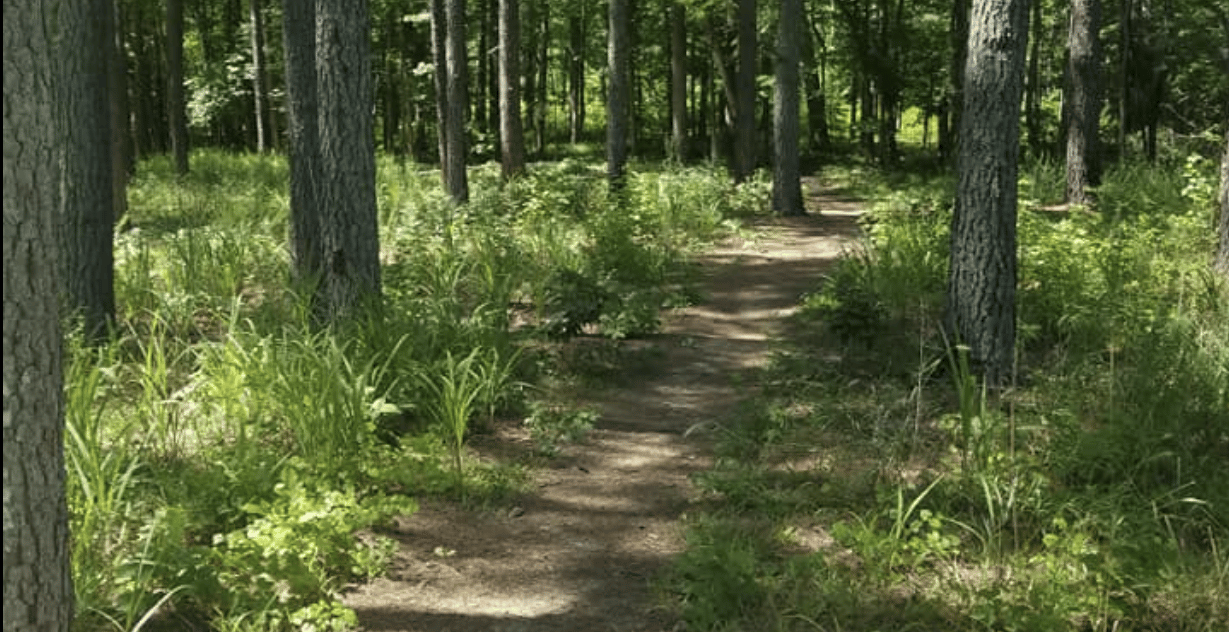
223, 381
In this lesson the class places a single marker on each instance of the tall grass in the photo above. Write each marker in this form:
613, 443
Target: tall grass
1088, 496
223, 451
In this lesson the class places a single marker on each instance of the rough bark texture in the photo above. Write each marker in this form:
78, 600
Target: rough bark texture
87, 213
982, 281
177, 112
456, 84
745, 90
351, 244
619, 93
511, 132
786, 176
1222, 253
38, 593
1083, 98
299, 39
678, 81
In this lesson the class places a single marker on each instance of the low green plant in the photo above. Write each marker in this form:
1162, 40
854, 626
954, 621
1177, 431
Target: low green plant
456, 387
553, 424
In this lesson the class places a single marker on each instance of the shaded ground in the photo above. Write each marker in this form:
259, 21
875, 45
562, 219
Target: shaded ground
578, 554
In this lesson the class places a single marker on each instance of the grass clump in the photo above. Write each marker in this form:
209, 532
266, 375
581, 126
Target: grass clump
875, 484
231, 465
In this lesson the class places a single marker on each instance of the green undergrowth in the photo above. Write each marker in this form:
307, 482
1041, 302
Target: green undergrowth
876, 485
232, 467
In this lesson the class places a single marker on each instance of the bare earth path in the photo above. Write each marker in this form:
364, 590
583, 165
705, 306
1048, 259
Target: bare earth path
576, 556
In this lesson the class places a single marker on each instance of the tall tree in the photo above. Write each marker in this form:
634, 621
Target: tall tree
456, 84
786, 176
618, 99
299, 41
678, 81
1083, 98
981, 293
1032, 85
347, 196
122, 161
745, 92
88, 214
176, 103
949, 118
265, 137
439, 75
38, 591
511, 132
1222, 253
576, 71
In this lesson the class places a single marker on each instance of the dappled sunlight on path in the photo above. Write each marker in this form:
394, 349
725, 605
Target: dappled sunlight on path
578, 553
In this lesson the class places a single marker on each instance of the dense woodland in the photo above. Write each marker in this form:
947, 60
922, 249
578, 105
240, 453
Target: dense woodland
271, 260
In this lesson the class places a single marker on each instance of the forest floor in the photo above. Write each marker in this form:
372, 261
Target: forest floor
577, 553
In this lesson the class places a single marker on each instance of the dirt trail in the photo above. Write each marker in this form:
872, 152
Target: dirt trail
576, 556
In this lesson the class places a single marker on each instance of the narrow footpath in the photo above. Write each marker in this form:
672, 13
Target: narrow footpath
577, 555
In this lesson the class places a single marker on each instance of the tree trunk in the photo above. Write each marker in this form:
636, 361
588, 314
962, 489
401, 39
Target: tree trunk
350, 238
542, 98
485, 69
177, 115
1124, 73
38, 591
260, 91
619, 93
122, 162
456, 85
1083, 99
576, 73
306, 251
817, 109
745, 91
678, 81
786, 175
1032, 94
511, 133
1222, 253
88, 213
439, 76
959, 32
982, 280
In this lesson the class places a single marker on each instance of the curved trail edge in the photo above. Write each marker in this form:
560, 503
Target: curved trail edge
578, 552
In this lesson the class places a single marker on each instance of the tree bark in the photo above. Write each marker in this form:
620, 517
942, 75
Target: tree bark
117, 91
511, 132
350, 238
38, 44
177, 113
576, 73
456, 83
786, 175
1083, 99
619, 93
678, 81
1222, 253
981, 291
439, 76
1032, 94
949, 129
745, 91
299, 41
260, 82
88, 213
